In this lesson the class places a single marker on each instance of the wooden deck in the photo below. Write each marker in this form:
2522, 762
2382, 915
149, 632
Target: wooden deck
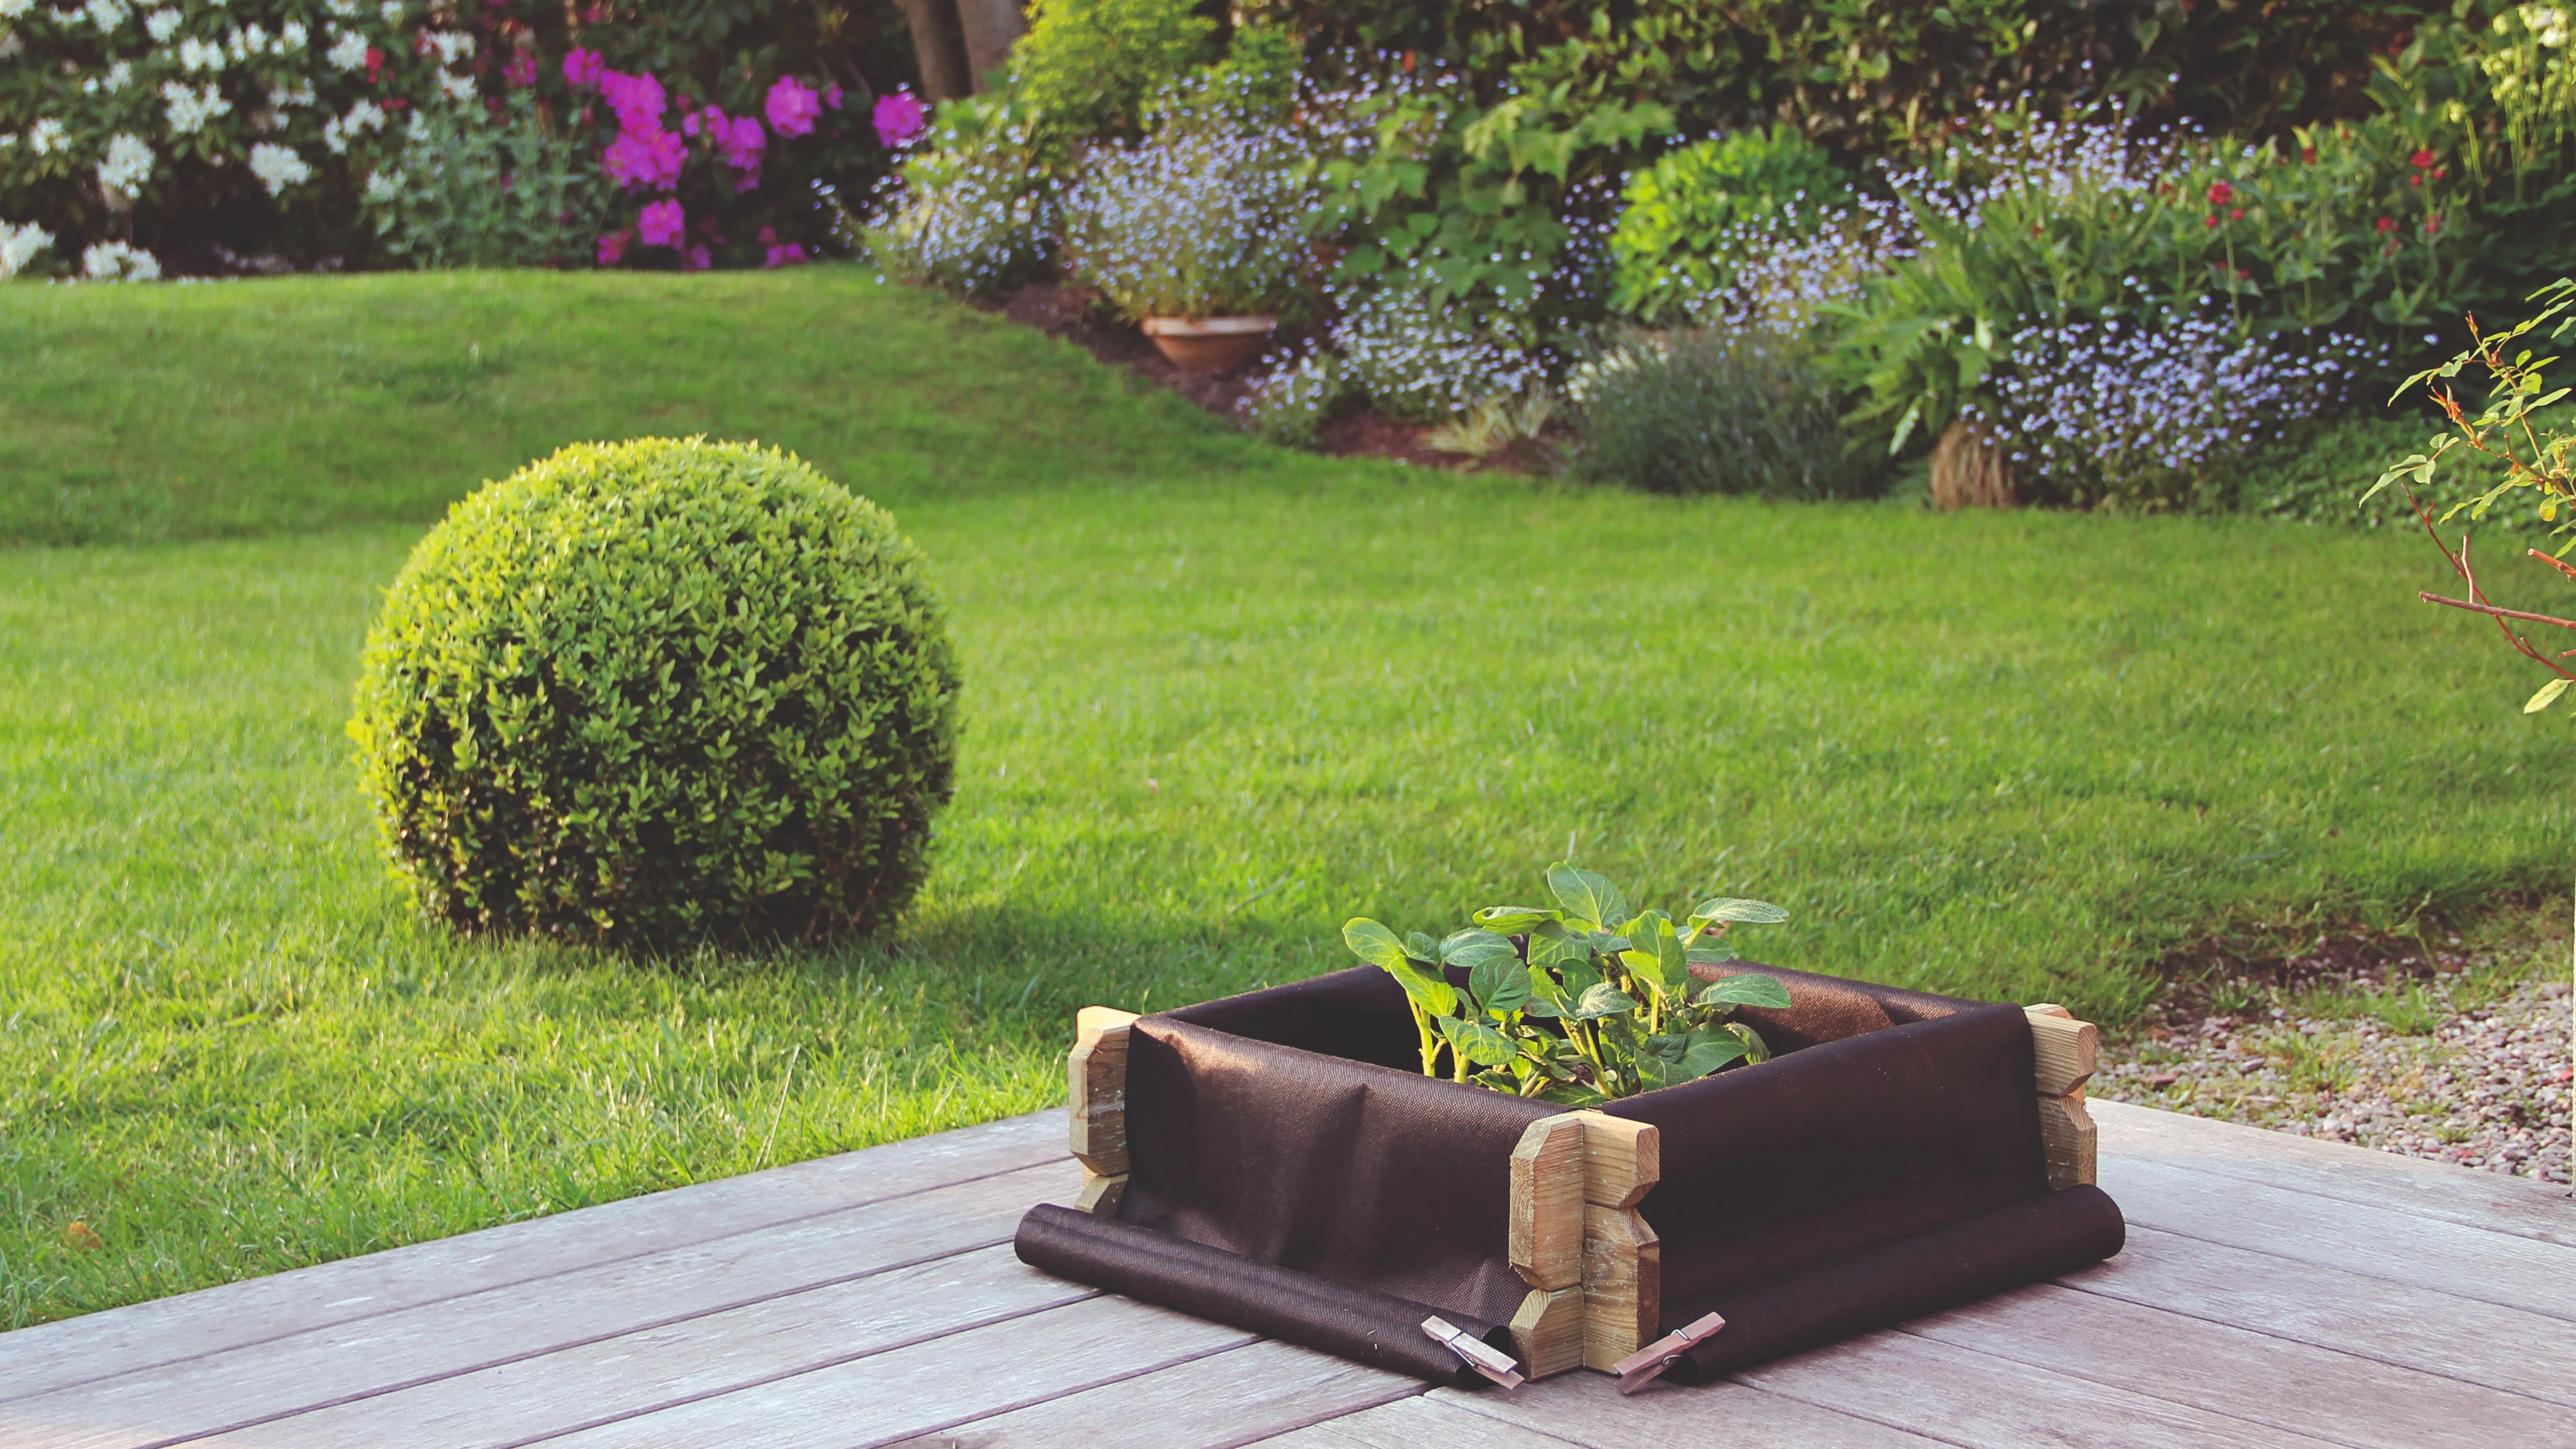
2275, 1292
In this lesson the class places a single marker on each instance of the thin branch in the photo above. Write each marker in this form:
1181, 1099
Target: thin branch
2568, 570
2492, 610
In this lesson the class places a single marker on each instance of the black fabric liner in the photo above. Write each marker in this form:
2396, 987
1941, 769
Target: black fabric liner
1359, 1324
1885, 1164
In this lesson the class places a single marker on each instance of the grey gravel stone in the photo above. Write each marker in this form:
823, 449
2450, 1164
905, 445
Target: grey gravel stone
2487, 1086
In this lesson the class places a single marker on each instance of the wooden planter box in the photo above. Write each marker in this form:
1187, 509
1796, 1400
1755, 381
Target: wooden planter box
1274, 1160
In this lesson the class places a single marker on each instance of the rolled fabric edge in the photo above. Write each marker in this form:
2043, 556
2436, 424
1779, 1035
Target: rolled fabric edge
1360, 1324
2005, 1247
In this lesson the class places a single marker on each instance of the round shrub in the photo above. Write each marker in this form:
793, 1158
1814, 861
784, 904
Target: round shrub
657, 692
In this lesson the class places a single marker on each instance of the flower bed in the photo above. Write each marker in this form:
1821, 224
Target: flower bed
1271, 1160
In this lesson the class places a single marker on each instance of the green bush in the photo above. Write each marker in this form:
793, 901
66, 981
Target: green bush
662, 691
470, 189
1670, 244
1711, 410
1089, 67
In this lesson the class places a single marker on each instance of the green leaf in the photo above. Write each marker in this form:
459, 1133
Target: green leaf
1478, 1042
1755, 1049
1585, 895
1752, 988
1373, 943
2547, 696
1551, 945
1500, 984
1512, 920
1428, 991
1717, 955
1603, 1000
1751, 913
1712, 1050
1422, 948
1473, 947
1655, 954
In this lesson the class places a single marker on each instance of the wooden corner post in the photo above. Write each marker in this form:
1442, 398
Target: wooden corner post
1097, 1075
1623, 1278
1547, 1245
2064, 1053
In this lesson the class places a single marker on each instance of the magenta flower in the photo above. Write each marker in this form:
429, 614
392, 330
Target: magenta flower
786, 256
583, 68
899, 118
660, 224
612, 247
742, 141
645, 158
521, 71
637, 99
792, 107
696, 259
832, 95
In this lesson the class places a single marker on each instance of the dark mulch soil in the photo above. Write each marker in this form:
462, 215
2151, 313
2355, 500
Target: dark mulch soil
1073, 314
2290, 959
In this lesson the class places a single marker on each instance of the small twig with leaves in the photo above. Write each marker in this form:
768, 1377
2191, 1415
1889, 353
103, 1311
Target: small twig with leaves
2535, 452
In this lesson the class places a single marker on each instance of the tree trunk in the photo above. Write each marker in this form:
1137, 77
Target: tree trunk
990, 26
939, 47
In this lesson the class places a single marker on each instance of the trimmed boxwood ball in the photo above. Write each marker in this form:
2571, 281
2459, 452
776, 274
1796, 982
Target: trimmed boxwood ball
658, 692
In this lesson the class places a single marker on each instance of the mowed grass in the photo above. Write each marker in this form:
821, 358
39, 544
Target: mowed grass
1220, 700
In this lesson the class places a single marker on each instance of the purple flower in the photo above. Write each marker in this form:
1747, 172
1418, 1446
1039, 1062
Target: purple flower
832, 95
740, 138
583, 68
659, 224
786, 256
696, 259
521, 71
899, 118
637, 99
792, 107
645, 158
612, 247
750, 182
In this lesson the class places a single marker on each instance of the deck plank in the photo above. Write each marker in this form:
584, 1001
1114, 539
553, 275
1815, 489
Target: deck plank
2244, 1374
659, 1368
1417, 1421
2393, 1323
1961, 1396
53, 1356
932, 1387
2379, 1242
277, 1377
2340, 1170
1237, 1397
1588, 1409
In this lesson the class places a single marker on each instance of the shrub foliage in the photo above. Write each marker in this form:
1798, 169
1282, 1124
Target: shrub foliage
655, 692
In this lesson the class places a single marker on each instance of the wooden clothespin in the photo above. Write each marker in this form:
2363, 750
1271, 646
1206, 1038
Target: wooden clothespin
1475, 1352
1642, 1367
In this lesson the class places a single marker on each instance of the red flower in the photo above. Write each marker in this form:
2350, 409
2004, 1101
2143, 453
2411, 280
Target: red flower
2308, 154
2415, 180
2420, 160
2210, 220
2241, 272
2441, 171
2386, 223
2432, 224
2220, 192
2237, 214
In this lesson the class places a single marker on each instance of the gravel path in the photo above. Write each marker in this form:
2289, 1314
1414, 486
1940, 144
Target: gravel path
2451, 1067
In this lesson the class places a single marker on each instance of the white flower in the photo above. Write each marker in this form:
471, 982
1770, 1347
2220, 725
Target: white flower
15, 9
348, 50
384, 186
392, 11
248, 41
10, 44
196, 55
457, 87
19, 245
342, 8
162, 24
107, 14
127, 165
191, 110
298, 92
364, 116
116, 262
46, 137
451, 45
119, 76
291, 36
278, 167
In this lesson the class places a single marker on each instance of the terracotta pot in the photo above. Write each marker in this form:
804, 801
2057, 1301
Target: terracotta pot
1210, 344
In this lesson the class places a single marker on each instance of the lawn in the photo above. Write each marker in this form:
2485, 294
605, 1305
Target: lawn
1220, 699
